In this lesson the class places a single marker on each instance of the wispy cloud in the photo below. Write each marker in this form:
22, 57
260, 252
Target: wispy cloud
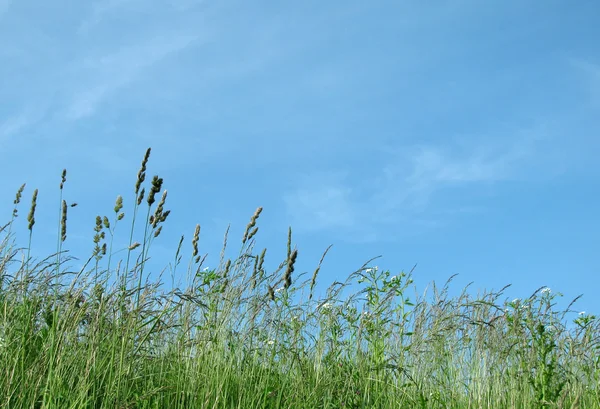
325, 206
442, 165
183, 5
100, 9
591, 72
83, 71
106, 74
13, 126
104, 9
4, 6
405, 187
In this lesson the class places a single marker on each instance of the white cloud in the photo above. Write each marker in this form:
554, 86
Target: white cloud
15, 125
103, 9
84, 104
591, 72
105, 75
184, 5
100, 9
434, 166
404, 189
12, 126
4, 6
323, 207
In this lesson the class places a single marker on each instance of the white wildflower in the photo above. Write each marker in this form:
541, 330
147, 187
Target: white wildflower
582, 313
280, 289
546, 290
270, 342
516, 300
325, 306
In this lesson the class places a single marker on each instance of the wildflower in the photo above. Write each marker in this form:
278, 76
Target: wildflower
372, 269
280, 289
326, 306
582, 313
270, 342
516, 300
546, 290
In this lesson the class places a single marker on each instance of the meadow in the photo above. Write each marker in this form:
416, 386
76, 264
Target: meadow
238, 336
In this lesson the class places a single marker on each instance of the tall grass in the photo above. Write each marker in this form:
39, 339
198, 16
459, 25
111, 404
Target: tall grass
239, 336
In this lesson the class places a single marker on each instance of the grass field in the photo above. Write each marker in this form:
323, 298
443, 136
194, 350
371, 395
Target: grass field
238, 336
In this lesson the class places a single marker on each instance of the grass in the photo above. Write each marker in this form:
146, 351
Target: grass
240, 337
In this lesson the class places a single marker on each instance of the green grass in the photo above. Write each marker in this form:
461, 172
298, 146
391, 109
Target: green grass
240, 337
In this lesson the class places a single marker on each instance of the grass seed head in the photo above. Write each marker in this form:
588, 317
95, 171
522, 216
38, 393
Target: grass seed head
252, 233
163, 217
142, 172
262, 258
289, 242
154, 189
18, 199
63, 222
251, 225
290, 269
19, 194
271, 293
31, 216
313, 281
118, 204
159, 214
63, 179
177, 256
258, 266
98, 227
195, 241
227, 268
141, 196
254, 274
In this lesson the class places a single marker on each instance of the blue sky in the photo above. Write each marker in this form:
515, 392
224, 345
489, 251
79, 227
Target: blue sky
460, 135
